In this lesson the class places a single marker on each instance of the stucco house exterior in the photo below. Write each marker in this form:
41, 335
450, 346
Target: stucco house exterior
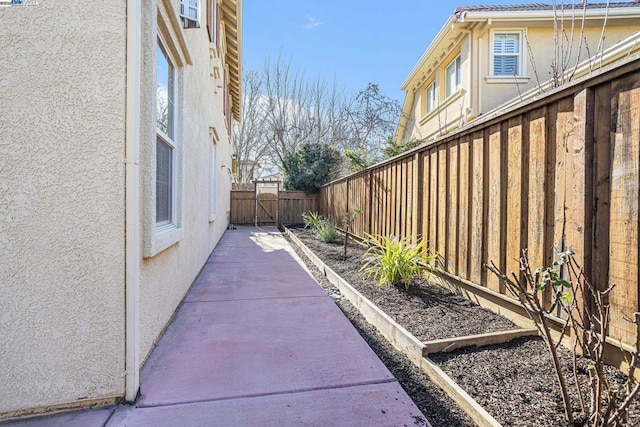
115, 157
485, 56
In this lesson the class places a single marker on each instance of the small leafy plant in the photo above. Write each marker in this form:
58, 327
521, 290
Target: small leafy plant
327, 231
393, 260
312, 220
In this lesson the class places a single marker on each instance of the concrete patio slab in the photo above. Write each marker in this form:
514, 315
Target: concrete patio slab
85, 418
366, 405
257, 347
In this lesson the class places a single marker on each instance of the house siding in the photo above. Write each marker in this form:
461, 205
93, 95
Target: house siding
62, 126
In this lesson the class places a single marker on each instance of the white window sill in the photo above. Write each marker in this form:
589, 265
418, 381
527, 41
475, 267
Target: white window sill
507, 79
446, 103
164, 238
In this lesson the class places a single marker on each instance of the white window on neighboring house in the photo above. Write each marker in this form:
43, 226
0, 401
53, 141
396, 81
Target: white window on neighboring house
190, 13
430, 97
452, 76
165, 139
506, 54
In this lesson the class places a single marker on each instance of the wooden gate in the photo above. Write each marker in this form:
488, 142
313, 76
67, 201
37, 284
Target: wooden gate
267, 203
269, 208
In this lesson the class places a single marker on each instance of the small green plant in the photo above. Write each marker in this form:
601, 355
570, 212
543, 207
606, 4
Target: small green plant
311, 220
393, 260
327, 231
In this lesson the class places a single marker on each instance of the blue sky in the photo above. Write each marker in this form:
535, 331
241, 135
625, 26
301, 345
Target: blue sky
355, 41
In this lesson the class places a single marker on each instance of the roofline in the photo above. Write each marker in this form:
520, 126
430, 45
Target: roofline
232, 10
427, 53
510, 15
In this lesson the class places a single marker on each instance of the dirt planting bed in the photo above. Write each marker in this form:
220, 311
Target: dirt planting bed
514, 382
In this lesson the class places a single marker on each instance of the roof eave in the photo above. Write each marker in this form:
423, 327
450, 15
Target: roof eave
446, 28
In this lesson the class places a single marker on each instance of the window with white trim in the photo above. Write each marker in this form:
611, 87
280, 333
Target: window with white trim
430, 97
165, 139
507, 54
190, 13
452, 76
214, 179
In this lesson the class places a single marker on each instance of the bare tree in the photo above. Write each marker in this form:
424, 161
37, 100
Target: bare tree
249, 143
371, 120
299, 111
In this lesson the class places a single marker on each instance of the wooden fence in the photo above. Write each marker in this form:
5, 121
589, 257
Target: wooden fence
291, 206
555, 173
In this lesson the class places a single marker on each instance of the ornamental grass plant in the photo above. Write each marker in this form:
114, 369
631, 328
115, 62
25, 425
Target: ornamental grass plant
393, 261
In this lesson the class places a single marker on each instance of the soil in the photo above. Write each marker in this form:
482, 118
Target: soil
514, 382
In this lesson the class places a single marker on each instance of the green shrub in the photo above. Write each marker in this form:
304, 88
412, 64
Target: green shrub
327, 231
312, 220
393, 261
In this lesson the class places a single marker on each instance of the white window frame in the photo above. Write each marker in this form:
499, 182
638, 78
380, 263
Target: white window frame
170, 140
214, 26
213, 189
186, 6
521, 76
430, 106
456, 62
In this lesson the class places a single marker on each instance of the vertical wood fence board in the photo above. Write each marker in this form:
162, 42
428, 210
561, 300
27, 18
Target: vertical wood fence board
602, 165
463, 209
441, 237
536, 199
433, 200
580, 186
623, 232
418, 202
477, 208
514, 188
494, 218
425, 185
452, 209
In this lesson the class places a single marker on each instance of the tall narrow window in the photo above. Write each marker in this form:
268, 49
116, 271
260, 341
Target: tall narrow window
452, 76
212, 19
430, 95
190, 12
165, 138
214, 180
506, 54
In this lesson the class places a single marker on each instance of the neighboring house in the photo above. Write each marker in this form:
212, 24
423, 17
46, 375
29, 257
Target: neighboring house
115, 123
485, 56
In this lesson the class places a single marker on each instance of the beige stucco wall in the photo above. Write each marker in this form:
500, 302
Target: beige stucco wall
167, 275
62, 109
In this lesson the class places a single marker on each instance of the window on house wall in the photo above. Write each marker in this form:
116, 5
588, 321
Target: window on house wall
430, 97
212, 20
165, 138
506, 54
452, 76
214, 178
190, 13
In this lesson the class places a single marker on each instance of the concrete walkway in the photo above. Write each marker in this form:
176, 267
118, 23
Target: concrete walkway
258, 343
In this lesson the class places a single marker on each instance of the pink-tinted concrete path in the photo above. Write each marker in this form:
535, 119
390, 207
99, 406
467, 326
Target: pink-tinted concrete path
258, 342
